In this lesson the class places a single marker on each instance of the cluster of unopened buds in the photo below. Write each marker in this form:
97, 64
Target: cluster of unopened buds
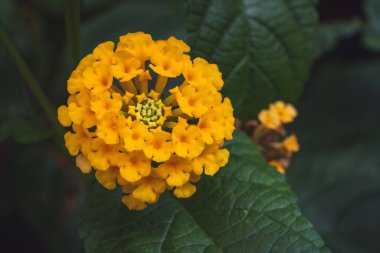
270, 135
146, 117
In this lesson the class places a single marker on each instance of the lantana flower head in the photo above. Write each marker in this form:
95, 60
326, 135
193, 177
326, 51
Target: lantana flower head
270, 135
147, 117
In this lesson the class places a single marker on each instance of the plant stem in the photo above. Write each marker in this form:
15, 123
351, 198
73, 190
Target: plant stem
30, 79
72, 21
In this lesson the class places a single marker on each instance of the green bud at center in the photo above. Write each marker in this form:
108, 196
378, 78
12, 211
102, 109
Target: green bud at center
150, 111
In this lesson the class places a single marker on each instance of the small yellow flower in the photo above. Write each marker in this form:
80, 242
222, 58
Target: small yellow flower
63, 116
79, 141
271, 136
125, 67
98, 78
286, 112
278, 166
106, 102
103, 156
291, 144
192, 101
104, 52
83, 164
132, 203
137, 134
110, 127
211, 159
210, 72
80, 111
149, 189
140, 45
185, 191
270, 119
159, 146
110, 178
187, 139
75, 82
176, 171
134, 166
167, 64
229, 124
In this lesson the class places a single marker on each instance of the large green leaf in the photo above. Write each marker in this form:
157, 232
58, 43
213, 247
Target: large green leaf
264, 48
247, 207
337, 173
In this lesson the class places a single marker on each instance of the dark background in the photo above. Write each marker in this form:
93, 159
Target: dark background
336, 175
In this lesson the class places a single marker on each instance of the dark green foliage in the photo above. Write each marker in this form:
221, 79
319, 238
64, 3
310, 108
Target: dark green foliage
247, 207
337, 173
263, 48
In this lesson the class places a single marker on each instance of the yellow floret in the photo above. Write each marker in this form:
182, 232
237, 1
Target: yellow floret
110, 127
286, 112
103, 53
291, 144
110, 178
134, 166
185, 191
149, 189
125, 66
192, 101
132, 203
98, 78
103, 156
159, 146
211, 159
187, 139
135, 136
79, 140
105, 103
83, 164
270, 119
278, 166
80, 111
63, 116
176, 171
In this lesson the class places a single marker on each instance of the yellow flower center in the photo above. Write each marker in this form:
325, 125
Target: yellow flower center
149, 112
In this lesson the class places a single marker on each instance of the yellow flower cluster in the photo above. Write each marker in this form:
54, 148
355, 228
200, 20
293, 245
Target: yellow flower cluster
269, 134
146, 117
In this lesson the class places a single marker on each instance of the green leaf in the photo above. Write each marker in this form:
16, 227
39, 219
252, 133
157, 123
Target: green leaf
263, 48
247, 207
372, 31
337, 173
